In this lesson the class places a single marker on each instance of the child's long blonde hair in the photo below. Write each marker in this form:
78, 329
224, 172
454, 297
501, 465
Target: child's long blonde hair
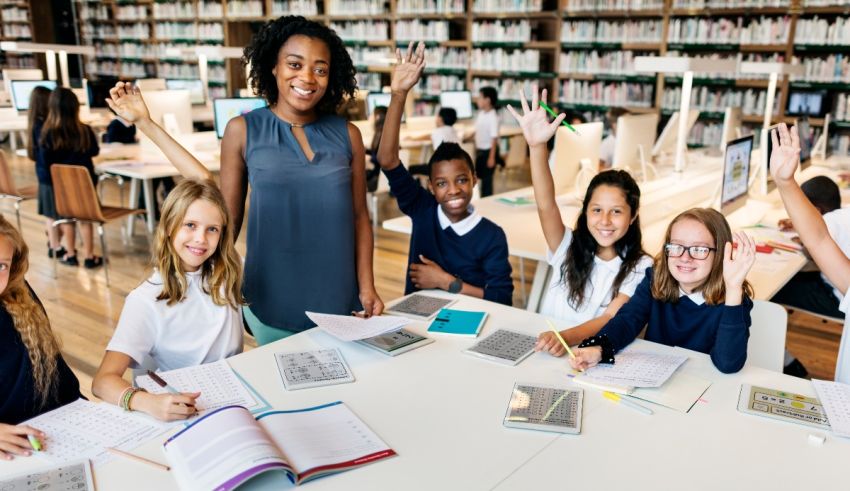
666, 288
222, 272
29, 317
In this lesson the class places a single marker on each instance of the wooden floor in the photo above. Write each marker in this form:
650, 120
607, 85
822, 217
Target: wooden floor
84, 311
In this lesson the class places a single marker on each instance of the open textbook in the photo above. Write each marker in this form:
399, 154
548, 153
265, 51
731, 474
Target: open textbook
228, 447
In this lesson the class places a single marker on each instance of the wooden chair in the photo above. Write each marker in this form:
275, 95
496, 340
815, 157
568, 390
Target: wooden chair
9, 191
76, 201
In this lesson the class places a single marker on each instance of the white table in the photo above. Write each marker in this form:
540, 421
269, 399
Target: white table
442, 410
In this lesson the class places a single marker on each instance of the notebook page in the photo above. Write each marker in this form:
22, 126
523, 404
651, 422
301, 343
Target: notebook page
218, 384
835, 398
327, 435
637, 369
83, 429
351, 328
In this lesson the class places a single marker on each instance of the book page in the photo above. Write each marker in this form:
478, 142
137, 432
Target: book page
217, 382
222, 450
835, 398
84, 429
636, 369
351, 328
330, 435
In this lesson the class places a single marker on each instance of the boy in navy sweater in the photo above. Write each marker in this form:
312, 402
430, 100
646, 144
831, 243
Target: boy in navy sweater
451, 247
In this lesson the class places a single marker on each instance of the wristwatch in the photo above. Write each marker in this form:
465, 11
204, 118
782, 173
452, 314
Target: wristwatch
456, 286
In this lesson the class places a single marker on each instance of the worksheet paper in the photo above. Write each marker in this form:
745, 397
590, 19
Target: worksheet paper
217, 382
83, 429
352, 328
835, 398
636, 369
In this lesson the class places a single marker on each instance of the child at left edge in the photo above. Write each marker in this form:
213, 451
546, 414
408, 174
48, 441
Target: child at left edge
452, 247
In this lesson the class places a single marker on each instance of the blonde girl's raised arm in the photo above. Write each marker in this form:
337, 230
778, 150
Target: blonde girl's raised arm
127, 102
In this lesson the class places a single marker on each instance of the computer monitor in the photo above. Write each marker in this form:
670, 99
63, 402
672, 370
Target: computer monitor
375, 99
807, 103
195, 88
21, 90
804, 131
666, 142
736, 174
460, 101
10, 74
170, 108
635, 138
767, 183
149, 84
732, 124
570, 149
226, 109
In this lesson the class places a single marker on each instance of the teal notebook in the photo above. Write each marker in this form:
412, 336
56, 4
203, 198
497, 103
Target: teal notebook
458, 322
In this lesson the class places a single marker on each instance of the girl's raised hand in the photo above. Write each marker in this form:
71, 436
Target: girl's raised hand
13, 440
126, 100
408, 68
737, 262
586, 357
785, 155
534, 123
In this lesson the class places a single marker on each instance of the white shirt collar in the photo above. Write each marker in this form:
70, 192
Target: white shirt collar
462, 227
610, 264
696, 297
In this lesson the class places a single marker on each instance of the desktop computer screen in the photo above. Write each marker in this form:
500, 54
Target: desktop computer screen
460, 101
807, 103
227, 109
21, 90
195, 88
736, 174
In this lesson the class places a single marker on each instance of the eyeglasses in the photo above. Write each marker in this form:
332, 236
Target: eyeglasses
696, 252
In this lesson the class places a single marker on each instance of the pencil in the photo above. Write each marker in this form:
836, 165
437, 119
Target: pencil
552, 113
138, 459
563, 343
162, 383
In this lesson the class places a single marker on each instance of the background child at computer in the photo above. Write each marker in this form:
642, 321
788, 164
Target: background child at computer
443, 132
486, 138
34, 377
451, 247
598, 265
65, 139
187, 312
696, 296
812, 230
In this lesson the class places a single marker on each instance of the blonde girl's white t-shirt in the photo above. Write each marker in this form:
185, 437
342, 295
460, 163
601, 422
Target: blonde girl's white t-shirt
597, 295
842, 366
189, 333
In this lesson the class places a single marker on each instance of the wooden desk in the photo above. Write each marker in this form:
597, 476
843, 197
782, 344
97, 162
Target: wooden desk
442, 410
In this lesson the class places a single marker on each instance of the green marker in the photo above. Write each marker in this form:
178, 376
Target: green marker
550, 111
36, 445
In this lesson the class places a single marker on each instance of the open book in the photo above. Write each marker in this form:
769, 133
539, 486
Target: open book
228, 447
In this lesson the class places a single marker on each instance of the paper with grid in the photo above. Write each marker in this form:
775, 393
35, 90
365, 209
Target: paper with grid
835, 398
636, 369
305, 369
351, 328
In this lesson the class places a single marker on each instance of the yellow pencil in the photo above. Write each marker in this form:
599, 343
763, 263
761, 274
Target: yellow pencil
564, 343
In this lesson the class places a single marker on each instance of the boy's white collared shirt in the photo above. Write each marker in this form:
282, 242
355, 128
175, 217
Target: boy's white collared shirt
696, 297
462, 227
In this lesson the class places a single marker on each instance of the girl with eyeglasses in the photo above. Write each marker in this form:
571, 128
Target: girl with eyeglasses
695, 296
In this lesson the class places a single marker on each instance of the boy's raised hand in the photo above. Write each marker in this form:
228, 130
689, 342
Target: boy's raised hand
785, 155
534, 123
736, 265
126, 100
408, 68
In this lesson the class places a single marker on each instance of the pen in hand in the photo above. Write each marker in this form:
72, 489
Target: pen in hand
162, 383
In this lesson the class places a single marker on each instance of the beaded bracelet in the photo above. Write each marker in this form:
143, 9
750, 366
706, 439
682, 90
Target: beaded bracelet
122, 400
130, 397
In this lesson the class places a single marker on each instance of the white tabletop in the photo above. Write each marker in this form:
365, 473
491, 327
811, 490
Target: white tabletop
144, 161
442, 410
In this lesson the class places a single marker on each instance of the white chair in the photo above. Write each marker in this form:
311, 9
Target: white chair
766, 347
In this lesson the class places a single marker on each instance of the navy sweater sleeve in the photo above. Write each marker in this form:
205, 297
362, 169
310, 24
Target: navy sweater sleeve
632, 317
729, 352
408, 193
499, 286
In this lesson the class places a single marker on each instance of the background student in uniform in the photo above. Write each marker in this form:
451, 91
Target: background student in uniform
34, 377
65, 139
188, 312
452, 247
597, 266
486, 138
696, 296
813, 231
443, 132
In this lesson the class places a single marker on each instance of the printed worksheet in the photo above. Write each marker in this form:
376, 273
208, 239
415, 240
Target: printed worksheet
217, 382
74, 476
83, 429
835, 398
351, 328
637, 369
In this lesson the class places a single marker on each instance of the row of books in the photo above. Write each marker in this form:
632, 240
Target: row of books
362, 30
832, 68
728, 4
817, 30
503, 6
176, 10
16, 14
608, 5
710, 99
19, 31
433, 85
355, 7
417, 30
607, 93
527, 60
306, 8
502, 30
191, 30
601, 62
841, 107
431, 6
587, 31
368, 81
245, 8
130, 69
735, 30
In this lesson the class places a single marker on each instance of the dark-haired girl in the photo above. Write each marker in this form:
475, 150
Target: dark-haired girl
599, 264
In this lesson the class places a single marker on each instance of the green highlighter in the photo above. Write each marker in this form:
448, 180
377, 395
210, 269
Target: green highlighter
36, 445
552, 113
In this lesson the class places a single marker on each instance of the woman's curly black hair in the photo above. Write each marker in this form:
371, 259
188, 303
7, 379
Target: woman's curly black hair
263, 52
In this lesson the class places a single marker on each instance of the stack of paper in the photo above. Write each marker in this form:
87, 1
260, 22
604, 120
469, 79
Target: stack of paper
633, 369
351, 328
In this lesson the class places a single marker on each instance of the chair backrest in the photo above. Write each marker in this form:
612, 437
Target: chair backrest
7, 184
766, 347
517, 153
75, 194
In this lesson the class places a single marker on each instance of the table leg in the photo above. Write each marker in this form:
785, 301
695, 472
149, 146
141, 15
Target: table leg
541, 277
150, 204
134, 198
